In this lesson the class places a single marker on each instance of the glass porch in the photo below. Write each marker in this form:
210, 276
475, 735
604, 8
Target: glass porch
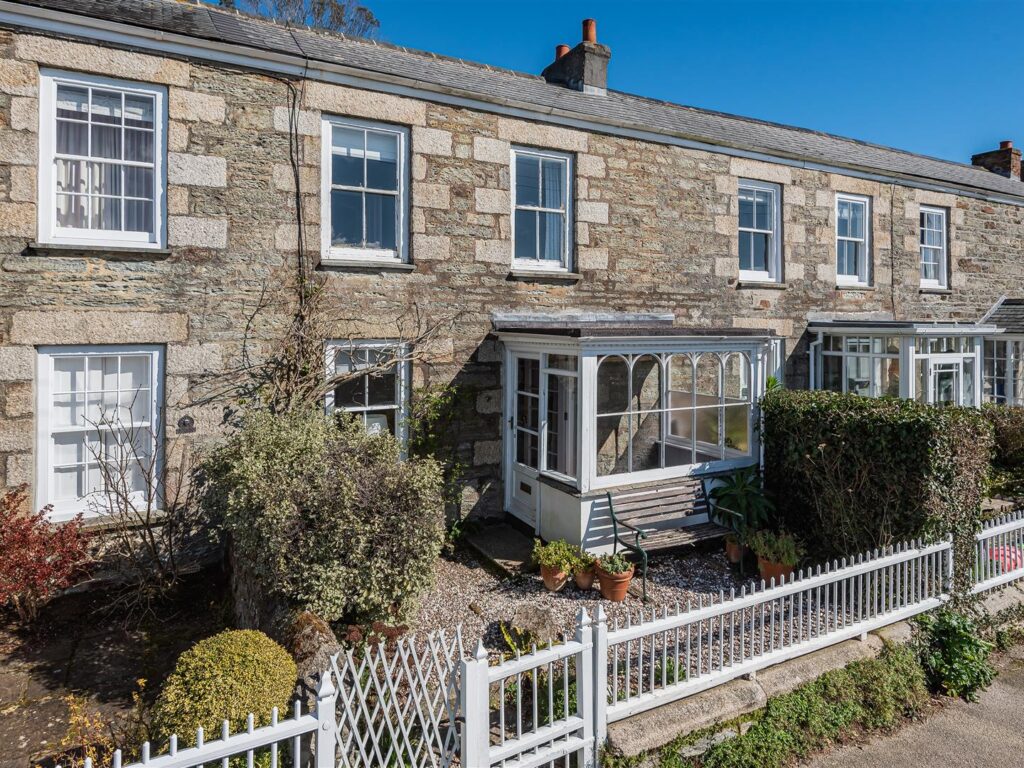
595, 406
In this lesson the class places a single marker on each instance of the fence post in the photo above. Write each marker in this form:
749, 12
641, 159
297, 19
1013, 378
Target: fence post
949, 567
599, 633
585, 685
327, 723
476, 710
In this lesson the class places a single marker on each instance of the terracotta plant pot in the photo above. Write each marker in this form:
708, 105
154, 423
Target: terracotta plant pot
734, 551
770, 570
554, 578
585, 578
614, 585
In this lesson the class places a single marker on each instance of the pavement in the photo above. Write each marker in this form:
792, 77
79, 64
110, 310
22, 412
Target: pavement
959, 735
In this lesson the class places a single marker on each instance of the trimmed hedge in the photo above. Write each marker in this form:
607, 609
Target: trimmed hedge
1008, 428
224, 677
852, 473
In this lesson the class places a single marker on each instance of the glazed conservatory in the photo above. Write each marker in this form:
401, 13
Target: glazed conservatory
595, 405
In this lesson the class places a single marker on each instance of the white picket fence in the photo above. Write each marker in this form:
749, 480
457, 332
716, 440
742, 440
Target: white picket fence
999, 552
425, 704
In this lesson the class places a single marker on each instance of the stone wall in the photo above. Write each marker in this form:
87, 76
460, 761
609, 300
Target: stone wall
655, 231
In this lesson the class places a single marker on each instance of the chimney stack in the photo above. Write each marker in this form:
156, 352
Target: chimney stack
1005, 161
585, 67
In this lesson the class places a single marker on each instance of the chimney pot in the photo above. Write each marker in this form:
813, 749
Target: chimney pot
1006, 161
582, 68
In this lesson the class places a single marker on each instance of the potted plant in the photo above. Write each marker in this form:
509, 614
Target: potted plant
741, 505
777, 553
583, 570
556, 560
614, 573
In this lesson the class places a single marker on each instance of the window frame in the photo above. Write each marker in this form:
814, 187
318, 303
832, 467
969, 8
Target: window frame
48, 231
942, 265
403, 380
565, 264
876, 358
860, 279
43, 491
330, 253
774, 257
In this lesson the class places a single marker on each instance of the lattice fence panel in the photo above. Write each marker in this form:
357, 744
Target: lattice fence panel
399, 706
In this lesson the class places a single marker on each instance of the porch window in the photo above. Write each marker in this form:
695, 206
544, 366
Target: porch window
1004, 371
372, 382
861, 365
542, 199
852, 240
99, 412
102, 178
656, 411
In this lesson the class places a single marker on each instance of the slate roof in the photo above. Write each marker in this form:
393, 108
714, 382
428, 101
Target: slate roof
1008, 315
507, 87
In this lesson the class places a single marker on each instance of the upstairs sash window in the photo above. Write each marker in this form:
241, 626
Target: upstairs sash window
364, 191
102, 161
542, 199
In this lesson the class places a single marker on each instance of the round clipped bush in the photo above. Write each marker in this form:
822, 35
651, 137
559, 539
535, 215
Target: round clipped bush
225, 677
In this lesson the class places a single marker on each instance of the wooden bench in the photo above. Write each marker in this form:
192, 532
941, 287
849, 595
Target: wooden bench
662, 518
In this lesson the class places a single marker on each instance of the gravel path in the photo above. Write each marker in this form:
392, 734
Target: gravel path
465, 592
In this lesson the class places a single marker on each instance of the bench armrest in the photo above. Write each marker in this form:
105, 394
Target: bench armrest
633, 528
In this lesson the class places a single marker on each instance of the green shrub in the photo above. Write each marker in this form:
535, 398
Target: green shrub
782, 548
853, 473
224, 677
870, 695
615, 563
326, 516
1008, 429
558, 554
741, 501
953, 655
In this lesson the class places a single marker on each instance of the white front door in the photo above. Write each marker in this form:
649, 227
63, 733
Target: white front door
950, 381
523, 434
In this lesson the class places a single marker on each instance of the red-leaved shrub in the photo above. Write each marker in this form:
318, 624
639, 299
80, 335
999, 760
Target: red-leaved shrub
37, 557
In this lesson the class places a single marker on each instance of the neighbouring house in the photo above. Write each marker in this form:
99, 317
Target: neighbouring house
624, 275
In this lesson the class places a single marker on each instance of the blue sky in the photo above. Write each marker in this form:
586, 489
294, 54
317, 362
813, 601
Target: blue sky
940, 77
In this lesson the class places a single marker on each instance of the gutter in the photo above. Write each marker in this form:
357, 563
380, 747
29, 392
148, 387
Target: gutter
94, 30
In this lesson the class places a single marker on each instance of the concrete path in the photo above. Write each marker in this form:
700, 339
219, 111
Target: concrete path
960, 735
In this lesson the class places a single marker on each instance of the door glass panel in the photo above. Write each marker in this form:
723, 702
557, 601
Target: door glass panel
561, 425
527, 417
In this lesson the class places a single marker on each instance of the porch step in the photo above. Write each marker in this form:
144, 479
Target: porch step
504, 546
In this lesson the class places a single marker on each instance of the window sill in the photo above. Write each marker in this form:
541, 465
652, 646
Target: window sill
854, 287
544, 275
109, 251
936, 290
366, 265
768, 285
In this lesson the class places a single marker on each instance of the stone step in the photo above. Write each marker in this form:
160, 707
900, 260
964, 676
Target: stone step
504, 546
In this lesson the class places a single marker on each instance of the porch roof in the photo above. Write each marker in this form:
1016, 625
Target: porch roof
903, 327
596, 325
1007, 315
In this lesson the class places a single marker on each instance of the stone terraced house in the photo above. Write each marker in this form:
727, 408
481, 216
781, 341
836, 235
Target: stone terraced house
621, 276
